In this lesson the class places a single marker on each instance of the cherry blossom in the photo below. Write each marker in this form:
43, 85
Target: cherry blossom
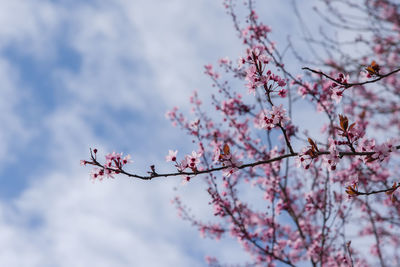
289, 186
171, 155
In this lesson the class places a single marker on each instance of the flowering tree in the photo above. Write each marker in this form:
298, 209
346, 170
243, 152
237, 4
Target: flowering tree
317, 193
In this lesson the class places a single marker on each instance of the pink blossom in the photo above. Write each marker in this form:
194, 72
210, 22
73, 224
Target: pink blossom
193, 159
278, 114
171, 155
224, 61
332, 159
382, 151
304, 159
231, 169
181, 166
337, 94
282, 93
241, 62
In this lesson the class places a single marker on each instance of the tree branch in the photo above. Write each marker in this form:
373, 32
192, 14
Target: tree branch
348, 85
195, 172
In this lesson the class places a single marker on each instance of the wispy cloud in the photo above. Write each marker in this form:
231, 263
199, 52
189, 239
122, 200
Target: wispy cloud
98, 71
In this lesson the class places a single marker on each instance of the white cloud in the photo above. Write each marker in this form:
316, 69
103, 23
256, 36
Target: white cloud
14, 132
61, 219
28, 25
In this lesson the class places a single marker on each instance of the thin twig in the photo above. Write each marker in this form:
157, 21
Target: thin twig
247, 165
348, 85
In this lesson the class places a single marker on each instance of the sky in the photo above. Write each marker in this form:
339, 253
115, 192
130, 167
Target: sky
94, 73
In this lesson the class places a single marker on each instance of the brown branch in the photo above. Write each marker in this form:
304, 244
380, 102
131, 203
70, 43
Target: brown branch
348, 248
348, 85
154, 174
377, 192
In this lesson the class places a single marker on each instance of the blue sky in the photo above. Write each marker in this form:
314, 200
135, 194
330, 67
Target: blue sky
80, 74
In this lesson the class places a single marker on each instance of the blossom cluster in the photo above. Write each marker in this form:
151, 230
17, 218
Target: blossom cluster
225, 157
114, 163
277, 116
190, 161
345, 176
256, 74
339, 87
